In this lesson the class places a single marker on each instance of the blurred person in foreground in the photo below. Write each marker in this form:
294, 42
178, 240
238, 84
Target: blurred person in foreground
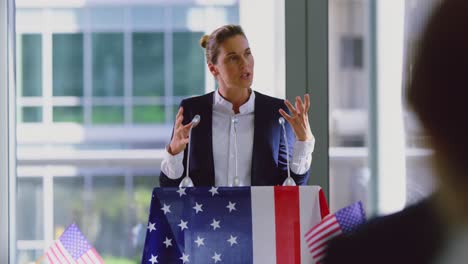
237, 117
434, 230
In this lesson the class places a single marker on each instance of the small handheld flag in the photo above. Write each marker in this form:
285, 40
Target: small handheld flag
343, 221
72, 247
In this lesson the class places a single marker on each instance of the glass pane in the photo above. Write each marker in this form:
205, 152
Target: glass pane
110, 214
349, 82
31, 114
189, 64
69, 203
30, 199
30, 64
68, 114
68, 64
149, 114
28, 256
107, 64
148, 64
108, 114
143, 188
420, 177
351, 52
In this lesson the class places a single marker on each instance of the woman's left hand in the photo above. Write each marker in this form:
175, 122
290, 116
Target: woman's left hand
299, 118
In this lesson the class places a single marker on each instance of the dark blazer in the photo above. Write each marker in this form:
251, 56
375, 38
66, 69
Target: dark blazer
413, 235
269, 165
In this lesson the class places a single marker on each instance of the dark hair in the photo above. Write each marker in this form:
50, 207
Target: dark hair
211, 42
438, 84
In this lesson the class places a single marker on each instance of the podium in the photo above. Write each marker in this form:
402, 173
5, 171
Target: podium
232, 224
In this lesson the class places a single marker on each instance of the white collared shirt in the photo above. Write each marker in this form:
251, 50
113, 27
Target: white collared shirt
224, 155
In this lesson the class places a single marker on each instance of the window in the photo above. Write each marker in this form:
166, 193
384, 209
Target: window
30, 195
107, 64
351, 52
30, 64
187, 51
148, 64
30, 114
67, 55
99, 88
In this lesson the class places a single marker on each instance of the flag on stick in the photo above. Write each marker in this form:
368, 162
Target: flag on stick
343, 221
72, 247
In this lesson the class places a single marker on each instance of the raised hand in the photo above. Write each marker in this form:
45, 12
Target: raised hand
180, 136
299, 118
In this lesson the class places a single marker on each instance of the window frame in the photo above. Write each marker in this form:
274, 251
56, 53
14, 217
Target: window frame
7, 131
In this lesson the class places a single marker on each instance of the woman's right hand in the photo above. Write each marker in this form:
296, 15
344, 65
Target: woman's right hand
180, 136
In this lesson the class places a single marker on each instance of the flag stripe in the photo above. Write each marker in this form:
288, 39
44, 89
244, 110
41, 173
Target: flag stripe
95, 256
87, 259
52, 256
288, 233
324, 210
310, 206
336, 229
317, 227
56, 254
331, 224
49, 258
80, 261
263, 225
324, 239
319, 253
64, 252
59, 253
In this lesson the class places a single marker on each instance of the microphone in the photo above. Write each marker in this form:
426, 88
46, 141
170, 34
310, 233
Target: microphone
289, 180
186, 181
235, 121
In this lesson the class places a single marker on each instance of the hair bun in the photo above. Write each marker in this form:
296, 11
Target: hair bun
204, 41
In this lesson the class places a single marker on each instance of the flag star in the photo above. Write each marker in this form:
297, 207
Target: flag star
166, 208
232, 240
216, 257
151, 226
181, 191
199, 241
198, 207
184, 258
231, 206
168, 242
213, 191
153, 259
215, 224
183, 225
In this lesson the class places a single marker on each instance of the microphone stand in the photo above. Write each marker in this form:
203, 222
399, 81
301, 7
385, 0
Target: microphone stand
186, 181
289, 180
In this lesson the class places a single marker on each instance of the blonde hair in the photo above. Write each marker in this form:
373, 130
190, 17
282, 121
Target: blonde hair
212, 42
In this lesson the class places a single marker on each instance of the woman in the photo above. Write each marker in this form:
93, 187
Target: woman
238, 141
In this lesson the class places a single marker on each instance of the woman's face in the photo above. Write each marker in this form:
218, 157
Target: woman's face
234, 68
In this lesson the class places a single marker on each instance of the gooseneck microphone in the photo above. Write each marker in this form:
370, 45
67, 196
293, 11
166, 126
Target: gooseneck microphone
289, 180
235, 121
186, 181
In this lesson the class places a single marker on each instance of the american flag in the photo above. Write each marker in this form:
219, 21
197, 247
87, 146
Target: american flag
231, 225
343, 221
72, 247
